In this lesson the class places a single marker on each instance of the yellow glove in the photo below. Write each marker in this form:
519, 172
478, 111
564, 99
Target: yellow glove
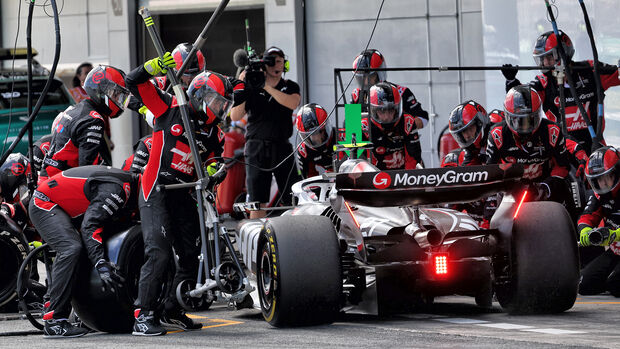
212, 168
159, 65
584, 236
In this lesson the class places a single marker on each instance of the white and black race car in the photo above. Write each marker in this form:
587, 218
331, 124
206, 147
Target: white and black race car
370, 241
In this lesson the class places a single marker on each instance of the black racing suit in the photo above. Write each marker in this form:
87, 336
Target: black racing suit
546, 85
137, 161
93, 194
603, 273
169, 217
544, 156
395, 148
76, 141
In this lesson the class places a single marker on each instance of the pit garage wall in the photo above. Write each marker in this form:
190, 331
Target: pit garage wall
409, 33
94, 30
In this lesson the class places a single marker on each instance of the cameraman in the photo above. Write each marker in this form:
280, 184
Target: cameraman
269, 104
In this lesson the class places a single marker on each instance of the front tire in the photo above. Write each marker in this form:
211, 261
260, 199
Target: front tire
299, 273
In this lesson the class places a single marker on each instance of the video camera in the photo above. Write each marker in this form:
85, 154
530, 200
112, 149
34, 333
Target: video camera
255, 76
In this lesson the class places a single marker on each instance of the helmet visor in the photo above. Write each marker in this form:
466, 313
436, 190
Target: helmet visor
467, 135
315, 138
119, 95
218, 105
386, 113
603, 183
524, 123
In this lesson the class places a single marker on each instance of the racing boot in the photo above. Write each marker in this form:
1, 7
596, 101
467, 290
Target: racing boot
146, 324
178, 319
62, 329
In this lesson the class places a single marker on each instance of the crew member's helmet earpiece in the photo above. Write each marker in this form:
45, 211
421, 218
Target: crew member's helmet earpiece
278, 51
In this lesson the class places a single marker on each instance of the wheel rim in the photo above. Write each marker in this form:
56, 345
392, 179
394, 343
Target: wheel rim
265, 281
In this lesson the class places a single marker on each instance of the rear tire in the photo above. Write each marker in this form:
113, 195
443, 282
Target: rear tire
544, 261
13, 251
299, 273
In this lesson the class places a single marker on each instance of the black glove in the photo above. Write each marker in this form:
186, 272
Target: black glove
509, 71
109, 274
539, 192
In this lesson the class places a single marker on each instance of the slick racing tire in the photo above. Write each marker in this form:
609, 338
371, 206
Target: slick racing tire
106, 311
544, 261
299, 273
13, 250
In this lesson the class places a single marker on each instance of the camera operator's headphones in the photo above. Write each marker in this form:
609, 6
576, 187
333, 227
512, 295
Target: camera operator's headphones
278, 51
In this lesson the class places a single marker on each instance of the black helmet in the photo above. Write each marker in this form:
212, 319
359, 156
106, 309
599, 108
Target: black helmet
13, 173
466, 124
603, 170
384, 97
105, 86
522, 110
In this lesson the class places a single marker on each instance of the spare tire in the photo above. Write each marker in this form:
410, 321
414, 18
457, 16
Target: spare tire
299, 272
103, 310
13, 250
543, 261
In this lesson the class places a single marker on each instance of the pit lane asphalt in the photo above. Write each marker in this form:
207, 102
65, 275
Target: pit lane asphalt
452, 322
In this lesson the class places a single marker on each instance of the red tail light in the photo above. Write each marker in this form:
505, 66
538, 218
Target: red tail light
440, 264
520, 203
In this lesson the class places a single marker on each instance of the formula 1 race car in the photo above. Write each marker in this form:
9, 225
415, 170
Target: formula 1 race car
373, 242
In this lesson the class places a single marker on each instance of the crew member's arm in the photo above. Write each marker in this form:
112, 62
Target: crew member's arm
494, 144
109, 199
141, 155
290, 101
240, 96
413, 107
89, 137
138, 82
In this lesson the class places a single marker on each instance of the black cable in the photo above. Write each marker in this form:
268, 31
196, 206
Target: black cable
46, 4
46, 88
337, 102
6, 136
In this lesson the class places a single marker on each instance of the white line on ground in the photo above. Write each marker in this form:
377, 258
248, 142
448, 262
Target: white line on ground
506, 326
554, 331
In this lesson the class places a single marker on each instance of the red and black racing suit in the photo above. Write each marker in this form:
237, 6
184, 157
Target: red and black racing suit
603, 273
313, 161
395, 148
546, 85
93, 194
137, 161
169, 217
40, 148
76, 141
543, 156
412, 107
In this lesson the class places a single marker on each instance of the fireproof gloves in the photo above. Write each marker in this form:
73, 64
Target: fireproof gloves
109, 274
584, 236
158, 65
212, 168
509, 71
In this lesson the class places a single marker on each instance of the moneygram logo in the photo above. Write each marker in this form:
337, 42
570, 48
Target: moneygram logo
382, 180
449, 177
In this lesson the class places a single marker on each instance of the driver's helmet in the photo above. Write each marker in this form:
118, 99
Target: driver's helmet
369, 59
211, 96
13, 174
603, 170
467, 122
546, 44
357, 166
105, 85
522, 108
386, 105
313, 126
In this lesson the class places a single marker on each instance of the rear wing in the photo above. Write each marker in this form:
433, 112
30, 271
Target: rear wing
427, 186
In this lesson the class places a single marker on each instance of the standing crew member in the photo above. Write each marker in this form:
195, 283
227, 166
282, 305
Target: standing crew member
315, 155
169, 217
270, 110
